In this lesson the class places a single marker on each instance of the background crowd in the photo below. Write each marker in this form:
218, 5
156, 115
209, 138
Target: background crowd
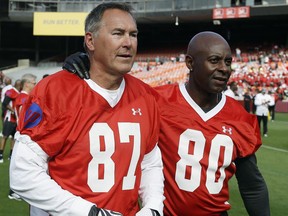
252, 71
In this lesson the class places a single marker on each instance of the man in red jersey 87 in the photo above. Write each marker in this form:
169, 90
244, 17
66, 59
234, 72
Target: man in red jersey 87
75, 156
206, 137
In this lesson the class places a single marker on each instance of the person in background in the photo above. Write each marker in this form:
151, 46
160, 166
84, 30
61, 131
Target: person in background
205, 136
28, 82
1, 81
92, 157
271, 105
9, 124
231, 91
238, 54
247, 100
262, 100
7, 85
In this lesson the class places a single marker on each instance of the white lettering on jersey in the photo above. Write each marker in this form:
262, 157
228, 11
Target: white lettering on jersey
104, 157
187, 160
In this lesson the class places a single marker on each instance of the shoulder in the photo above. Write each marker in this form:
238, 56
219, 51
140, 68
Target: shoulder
60, 91
236, 107
61, 81
138, 85
12, 93
21, 96
166, 91
62, 77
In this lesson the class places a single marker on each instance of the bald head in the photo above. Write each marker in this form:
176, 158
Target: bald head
203, 41
209, 60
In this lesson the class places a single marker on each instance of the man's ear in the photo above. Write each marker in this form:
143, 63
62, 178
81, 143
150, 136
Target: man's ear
189, 62
88, 40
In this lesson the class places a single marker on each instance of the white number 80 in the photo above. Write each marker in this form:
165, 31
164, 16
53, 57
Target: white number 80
193, 160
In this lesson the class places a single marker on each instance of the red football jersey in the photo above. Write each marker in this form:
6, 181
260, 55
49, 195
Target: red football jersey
198, 150
13, 94
19, 101
95, 149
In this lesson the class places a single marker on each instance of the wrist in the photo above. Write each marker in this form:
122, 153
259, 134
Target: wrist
93, 211
155, 213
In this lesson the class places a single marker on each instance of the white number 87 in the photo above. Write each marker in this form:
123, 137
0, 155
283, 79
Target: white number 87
104, 157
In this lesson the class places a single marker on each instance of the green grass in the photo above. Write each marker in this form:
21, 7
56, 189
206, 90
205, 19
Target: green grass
272, 161
9, 207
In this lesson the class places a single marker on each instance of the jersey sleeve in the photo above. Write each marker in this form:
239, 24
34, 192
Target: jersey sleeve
12, 94
42, 118
247, 139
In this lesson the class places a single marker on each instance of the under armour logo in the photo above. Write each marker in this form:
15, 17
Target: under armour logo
227, 130
136, 111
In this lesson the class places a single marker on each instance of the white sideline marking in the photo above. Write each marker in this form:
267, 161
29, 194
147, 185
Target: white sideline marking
275, 149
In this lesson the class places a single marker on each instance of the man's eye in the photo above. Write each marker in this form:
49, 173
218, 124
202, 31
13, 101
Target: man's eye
228, 62
116, 33
214, 61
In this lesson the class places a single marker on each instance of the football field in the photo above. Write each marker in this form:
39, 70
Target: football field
272, 161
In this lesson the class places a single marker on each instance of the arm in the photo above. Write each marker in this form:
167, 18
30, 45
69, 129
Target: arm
252, 186
152, 186
6, 105
29, 179
29, 165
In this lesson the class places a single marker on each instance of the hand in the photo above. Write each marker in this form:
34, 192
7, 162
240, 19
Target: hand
79, 64
95, 211
147, 212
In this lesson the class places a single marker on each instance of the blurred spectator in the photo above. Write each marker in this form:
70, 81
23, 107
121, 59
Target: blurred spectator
238, 54
1, 81
9, 124
7, 86
271, 105
247, 100
232, 90
261, 101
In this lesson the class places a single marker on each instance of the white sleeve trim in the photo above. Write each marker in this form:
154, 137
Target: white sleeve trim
30, 179
152, 182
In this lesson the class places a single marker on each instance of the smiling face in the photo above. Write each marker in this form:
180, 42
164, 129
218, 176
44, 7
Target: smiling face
209, 56
113, 47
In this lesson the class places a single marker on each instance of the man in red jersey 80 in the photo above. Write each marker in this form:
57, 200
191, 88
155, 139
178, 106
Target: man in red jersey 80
205, 136
75, 156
